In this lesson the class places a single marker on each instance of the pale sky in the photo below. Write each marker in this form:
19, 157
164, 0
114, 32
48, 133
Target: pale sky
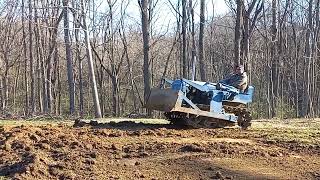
164, 15
164, 6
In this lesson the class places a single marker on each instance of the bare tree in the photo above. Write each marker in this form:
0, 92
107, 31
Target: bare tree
24, 36
250, 16
274, 60
144, 4
308, 104
94, 89
237, 35
201, 36
31, 71
77, 16
9, 51
69, 58
184, 39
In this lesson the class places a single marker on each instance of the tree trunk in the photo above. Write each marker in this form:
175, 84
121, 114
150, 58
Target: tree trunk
146, 46
32, 95
91, 66
184, 39
237, 31
308, 58
5, 89
315, 59
129, 64
246, 41
201, 34
81, 106
274, 59
69, 57
16, 85
42, 86
59, 86
26, 84
193, 51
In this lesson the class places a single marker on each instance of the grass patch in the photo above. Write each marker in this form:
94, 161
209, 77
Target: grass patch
33, 122
303, 131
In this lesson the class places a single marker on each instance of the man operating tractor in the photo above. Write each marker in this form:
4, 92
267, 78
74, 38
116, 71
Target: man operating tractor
238, 79
205, 104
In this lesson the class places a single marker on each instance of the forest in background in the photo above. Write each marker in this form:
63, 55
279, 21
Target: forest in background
70, 57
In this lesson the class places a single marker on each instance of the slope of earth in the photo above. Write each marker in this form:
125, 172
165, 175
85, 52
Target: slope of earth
128, 150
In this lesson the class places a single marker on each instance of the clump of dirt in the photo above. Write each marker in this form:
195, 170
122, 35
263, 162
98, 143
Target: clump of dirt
134, 150
192, 148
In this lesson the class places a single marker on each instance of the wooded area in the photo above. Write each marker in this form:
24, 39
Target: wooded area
81, 58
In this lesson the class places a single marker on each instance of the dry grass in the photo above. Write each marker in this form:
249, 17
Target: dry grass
304, 131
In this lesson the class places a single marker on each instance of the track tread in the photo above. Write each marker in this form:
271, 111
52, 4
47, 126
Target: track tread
244, 118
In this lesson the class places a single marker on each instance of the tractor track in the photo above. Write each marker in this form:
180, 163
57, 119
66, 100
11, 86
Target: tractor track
244, 118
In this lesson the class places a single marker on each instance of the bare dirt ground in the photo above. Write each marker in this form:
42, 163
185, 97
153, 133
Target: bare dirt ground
269, 150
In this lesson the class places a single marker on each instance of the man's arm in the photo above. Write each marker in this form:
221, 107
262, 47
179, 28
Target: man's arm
226, 80
240, 82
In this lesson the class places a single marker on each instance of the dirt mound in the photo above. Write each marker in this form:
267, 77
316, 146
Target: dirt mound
131, 150
192, 148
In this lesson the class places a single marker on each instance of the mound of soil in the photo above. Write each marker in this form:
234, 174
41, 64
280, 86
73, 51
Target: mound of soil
133, 151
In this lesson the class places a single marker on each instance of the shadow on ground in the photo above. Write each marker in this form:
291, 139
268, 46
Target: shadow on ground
125, 125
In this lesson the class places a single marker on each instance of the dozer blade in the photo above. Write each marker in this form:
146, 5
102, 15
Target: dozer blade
162, 99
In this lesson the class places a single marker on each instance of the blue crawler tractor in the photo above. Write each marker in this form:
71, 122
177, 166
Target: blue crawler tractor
202, 104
